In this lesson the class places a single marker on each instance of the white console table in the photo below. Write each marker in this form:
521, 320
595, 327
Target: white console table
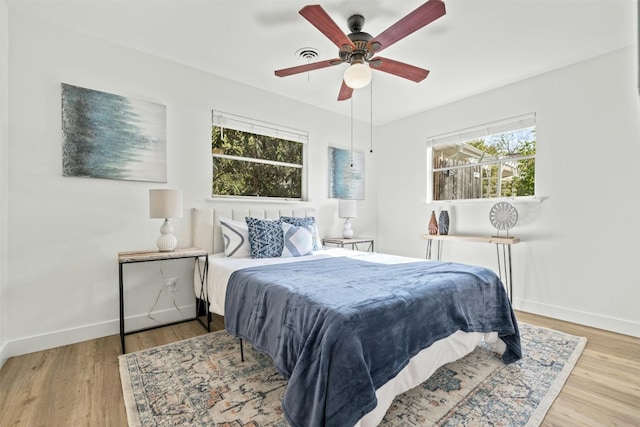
504, 255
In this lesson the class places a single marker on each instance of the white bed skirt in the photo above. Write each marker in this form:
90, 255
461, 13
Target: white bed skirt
419, 368
424, 364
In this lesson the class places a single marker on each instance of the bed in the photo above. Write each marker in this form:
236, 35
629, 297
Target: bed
352, 330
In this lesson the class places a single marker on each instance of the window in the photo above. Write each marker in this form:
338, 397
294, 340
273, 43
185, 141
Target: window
257, 159
490, 161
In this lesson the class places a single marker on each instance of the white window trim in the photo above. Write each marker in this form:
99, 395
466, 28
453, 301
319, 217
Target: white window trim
484, 163
500, 126
262, 161
467, 134
245, 124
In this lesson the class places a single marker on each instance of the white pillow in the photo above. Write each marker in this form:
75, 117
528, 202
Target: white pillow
309, 221
236, 238
298, 241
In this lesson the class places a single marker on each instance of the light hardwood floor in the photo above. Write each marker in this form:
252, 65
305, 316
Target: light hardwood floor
79, 384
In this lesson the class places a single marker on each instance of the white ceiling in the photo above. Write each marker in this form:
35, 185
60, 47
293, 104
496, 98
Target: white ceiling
475, 47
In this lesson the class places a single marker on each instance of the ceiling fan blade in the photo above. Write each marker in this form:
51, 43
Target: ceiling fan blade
327, 26
308, 67
345, 92
399, 69
423, 15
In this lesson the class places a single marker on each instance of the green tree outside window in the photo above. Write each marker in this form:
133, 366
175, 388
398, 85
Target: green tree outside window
253, 165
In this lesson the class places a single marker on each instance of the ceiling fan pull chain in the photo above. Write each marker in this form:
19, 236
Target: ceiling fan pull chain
351, 131
371, 117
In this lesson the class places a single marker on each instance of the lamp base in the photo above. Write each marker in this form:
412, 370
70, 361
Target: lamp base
167, 242
347, 231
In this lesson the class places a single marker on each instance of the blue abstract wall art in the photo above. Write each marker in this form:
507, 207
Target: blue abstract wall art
111, 136
346, 174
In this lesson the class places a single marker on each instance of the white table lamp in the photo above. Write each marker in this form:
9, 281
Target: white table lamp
347, 209
165, 203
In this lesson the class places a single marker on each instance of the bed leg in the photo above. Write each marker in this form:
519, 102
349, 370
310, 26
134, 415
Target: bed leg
241, 351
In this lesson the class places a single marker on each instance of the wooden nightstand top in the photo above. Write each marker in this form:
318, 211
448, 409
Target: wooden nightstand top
343, 241
504, 240
156, 255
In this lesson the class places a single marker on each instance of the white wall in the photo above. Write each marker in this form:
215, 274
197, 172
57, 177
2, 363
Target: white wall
4, 142
64, 233
58, 275
579, 256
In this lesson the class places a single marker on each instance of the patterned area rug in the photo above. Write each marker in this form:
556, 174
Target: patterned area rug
201, 382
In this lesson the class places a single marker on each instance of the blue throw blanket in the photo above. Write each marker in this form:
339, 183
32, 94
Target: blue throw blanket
340, 328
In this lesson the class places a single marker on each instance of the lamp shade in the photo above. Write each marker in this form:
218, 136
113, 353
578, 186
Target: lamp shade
357, 75
347, 208
165, 203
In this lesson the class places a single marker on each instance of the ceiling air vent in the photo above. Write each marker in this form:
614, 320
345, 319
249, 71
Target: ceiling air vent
307, 53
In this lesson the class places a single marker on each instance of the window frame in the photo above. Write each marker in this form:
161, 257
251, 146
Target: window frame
469, 134
258, 127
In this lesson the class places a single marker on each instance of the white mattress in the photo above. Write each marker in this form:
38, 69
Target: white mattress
221, 268
421, 366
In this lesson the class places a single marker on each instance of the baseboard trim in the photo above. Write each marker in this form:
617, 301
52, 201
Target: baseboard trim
4, 353
613, 324
59, 338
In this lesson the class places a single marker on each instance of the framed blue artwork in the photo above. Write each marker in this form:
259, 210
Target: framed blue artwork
113, 137
346, 174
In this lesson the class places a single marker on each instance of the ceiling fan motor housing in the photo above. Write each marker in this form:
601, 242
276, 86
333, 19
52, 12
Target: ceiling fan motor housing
361, 53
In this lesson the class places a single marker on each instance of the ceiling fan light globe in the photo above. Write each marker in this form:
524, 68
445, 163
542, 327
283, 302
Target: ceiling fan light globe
357, 76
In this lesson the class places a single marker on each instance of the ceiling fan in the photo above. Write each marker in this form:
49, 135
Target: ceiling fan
358, 48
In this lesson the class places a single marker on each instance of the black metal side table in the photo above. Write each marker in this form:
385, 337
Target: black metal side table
148, 256
353, 242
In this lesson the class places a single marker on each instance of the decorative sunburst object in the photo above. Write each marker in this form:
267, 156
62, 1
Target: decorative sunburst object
503, 216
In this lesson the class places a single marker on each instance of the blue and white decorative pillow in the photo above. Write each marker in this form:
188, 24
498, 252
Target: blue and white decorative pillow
309, 221
236, 238
298, 241
265, 237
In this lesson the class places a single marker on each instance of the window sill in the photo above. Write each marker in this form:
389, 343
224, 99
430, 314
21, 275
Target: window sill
257, 200
513, 200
